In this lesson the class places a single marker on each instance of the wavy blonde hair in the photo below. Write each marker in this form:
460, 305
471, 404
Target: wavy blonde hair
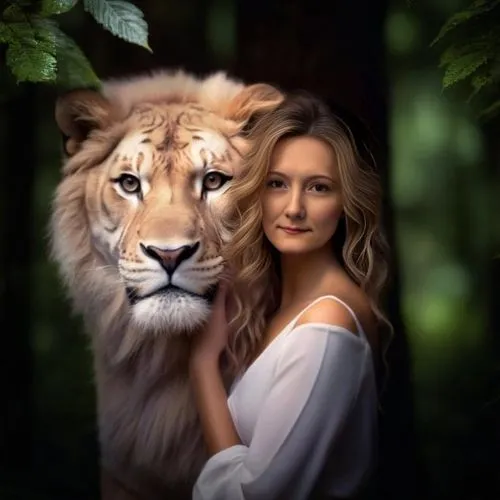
358, 242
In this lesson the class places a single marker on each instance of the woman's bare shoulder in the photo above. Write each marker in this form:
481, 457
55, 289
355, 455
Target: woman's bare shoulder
334, 312
330, 312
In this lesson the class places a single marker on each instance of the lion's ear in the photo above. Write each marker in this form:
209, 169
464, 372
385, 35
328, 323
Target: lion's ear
77, 113
252, 101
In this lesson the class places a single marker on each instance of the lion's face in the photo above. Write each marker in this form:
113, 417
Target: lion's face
155, 208
139, 216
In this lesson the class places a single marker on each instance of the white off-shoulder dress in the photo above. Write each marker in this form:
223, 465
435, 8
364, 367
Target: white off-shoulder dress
306, 413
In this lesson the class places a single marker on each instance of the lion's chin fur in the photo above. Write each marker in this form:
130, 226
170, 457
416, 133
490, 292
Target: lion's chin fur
180, 313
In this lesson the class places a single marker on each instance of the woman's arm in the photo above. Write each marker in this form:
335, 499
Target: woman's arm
211, 400
315, 384
206, 380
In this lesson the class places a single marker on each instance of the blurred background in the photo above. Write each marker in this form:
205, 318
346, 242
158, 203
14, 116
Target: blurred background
440, 430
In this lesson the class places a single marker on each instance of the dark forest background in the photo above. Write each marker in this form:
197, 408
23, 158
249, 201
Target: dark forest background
440, 429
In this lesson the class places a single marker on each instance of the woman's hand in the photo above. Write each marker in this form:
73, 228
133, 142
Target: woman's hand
208, 344
206, 380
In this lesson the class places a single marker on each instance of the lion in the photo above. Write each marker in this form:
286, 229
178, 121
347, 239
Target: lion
137, 227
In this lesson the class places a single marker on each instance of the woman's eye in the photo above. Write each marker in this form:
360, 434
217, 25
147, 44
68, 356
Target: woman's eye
129, 183
321, 188
275, 183
214, 180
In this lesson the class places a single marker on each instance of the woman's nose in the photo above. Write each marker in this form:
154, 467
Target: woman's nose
295, 208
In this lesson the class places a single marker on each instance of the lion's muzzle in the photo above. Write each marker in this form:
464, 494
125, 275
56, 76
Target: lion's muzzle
170, 258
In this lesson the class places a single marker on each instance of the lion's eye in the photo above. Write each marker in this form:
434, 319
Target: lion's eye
129, 183
214, 180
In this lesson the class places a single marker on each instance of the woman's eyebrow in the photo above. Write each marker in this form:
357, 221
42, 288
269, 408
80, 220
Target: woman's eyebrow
308, 178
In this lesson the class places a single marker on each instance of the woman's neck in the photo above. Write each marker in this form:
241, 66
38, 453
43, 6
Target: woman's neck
305, 274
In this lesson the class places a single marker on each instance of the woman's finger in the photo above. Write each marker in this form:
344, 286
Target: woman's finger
222, 290
219, 303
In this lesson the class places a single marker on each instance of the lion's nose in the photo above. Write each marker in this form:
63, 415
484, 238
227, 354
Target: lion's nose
170, 258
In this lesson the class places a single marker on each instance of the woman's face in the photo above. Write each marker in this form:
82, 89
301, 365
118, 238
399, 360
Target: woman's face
302, 200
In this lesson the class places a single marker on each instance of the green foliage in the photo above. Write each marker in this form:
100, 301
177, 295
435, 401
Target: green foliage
31, 52
477, 8
51, 7
461, 67
39, 51
472, 56
73, 66
122, 18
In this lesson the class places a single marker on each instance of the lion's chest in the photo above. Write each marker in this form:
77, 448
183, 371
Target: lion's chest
147, 425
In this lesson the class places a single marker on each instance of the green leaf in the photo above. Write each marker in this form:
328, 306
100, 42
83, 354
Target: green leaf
74, 69
39, 51
14, 13
5, 34
31, 64
461, 68
51, 7
478, 82
451, 53
31, 54
121, 18
477, 47
477, 8
490, 111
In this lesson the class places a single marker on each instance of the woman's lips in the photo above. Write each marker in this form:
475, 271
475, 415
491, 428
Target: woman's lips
293, 230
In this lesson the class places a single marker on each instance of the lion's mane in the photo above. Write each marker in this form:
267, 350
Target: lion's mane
148, 429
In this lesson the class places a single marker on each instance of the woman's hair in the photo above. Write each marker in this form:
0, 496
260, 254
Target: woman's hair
358, 242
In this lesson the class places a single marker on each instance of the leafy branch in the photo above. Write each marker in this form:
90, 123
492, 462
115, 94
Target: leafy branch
39, 51
472, 55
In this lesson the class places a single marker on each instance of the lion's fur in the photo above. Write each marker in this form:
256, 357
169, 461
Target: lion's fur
149, 434
212, 93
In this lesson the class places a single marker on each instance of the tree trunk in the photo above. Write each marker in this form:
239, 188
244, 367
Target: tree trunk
18, 145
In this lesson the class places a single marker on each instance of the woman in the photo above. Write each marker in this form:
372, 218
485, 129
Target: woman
300, 421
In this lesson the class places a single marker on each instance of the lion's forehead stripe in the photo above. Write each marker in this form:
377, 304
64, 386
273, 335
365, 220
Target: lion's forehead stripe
134, 150
207, 143
206, 147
